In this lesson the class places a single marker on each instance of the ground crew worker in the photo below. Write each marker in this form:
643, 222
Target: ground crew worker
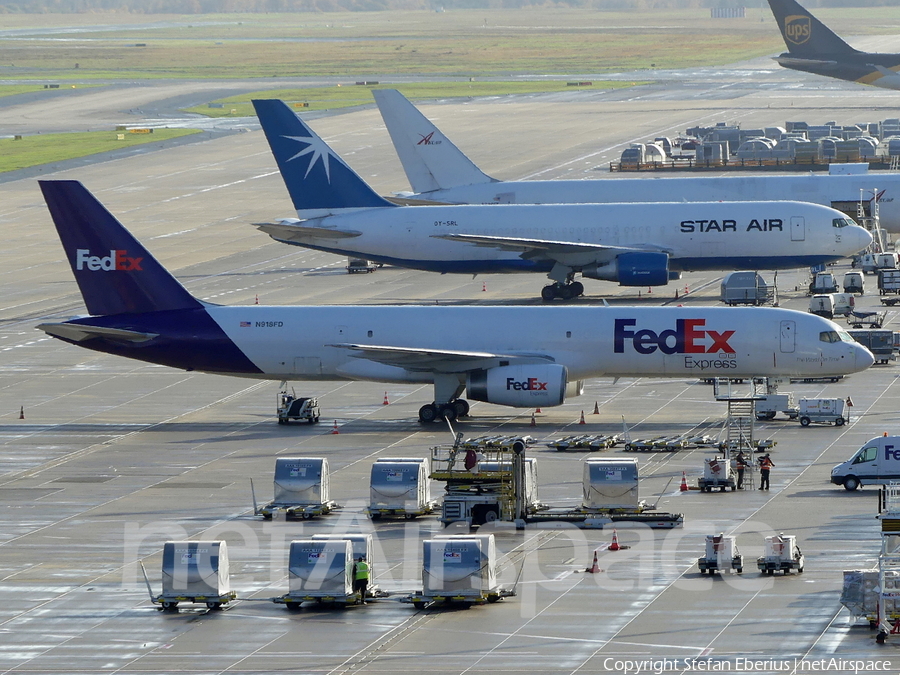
740, 463
765, 464
361, 577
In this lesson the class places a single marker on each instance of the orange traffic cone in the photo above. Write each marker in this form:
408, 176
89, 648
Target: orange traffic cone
595, 566
537, 411
22, 412
483, 286
581, 421
614, 545
649, 290
385, 402
596, 408
684, 485
257, 300
533, 423
686, 290
335, 429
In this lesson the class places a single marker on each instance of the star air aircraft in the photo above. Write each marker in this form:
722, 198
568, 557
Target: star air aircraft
814, 48
632, 244
138, 310
439, 172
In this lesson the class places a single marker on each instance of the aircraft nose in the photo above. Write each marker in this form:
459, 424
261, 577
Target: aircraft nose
863, 357
864, 238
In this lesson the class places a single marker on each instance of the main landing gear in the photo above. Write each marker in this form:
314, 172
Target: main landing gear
563, 291
447, 411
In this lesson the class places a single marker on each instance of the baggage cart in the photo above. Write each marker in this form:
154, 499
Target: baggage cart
782, 555
721, 554
822, 411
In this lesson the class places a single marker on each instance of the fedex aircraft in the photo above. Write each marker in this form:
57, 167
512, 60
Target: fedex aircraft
439, 172
632, 244
137, 309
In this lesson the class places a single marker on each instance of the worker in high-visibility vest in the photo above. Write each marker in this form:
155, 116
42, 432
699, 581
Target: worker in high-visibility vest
361, 577
765, 465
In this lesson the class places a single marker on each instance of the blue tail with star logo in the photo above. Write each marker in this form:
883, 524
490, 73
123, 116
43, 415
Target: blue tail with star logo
319, 181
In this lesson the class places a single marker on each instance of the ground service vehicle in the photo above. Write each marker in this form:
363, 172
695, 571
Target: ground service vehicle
876, 462
822, 411
292, 408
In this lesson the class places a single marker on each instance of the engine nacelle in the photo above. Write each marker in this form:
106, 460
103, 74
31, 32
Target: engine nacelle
633, 269
530, 386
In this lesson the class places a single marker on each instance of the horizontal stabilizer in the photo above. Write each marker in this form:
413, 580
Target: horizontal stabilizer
77, 332
790, 62
288, 231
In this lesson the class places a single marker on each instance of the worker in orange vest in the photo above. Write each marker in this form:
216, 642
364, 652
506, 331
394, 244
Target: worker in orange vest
765, 465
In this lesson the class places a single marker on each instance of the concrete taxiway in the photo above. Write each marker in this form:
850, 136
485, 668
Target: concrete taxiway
114, 457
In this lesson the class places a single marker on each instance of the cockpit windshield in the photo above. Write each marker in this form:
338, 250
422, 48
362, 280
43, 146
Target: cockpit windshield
835, 336
842, 222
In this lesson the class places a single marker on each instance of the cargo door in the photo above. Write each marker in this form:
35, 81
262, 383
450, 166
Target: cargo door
798, 228
788, 330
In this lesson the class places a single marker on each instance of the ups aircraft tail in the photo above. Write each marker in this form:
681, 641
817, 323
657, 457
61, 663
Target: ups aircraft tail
806, 36
115, 273
431, 161
320, 183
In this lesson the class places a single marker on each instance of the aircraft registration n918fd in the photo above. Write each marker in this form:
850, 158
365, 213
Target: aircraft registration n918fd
643, 244
519, 356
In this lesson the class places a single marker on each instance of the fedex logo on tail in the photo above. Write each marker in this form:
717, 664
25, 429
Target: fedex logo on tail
688, 337
116, 260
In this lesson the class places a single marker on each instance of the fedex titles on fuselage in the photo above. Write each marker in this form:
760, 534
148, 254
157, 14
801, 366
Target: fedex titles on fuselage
767, 225
687, 338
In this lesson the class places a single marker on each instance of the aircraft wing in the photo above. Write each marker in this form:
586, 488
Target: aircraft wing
292, 230
544, 247
443, 360
80, 332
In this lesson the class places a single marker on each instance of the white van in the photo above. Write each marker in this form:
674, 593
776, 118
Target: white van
876, 462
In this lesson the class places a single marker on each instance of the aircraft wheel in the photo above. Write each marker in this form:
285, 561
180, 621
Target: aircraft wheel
548, 293
428, 413
448, 412
567, 292
462, 407
577, 288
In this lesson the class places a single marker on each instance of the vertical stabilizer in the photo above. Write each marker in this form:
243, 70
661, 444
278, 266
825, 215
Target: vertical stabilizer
431, 161
115, 273
320, 183
804, 35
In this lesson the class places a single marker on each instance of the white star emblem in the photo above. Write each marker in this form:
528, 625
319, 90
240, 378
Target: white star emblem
315, 147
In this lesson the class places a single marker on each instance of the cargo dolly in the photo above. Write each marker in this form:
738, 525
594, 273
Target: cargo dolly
721, 554
423, 601
592, 443
193, 571
782, 554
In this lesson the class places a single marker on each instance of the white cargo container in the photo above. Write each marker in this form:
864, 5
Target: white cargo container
822, 410
610, 484
531, 500
822, 305
195, 571
771, 404
782, 554
301, 488
721, 554
854, 282
717, 473
823, 282
320, 571
460, 568
399, 488
363, 547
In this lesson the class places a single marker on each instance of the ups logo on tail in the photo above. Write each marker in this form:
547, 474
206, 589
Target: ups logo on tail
797, 29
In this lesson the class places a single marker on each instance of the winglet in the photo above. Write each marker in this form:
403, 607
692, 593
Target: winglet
114, 271
804, 35
320, 183
431, 161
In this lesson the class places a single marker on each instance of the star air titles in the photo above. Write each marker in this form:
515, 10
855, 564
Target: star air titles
764, 225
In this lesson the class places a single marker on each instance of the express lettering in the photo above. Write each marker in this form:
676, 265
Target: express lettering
116, 260
891, 454
531, 384
686, 338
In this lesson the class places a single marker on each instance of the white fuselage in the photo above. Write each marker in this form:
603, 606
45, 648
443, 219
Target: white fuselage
297, 342
696, 236
824, 189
